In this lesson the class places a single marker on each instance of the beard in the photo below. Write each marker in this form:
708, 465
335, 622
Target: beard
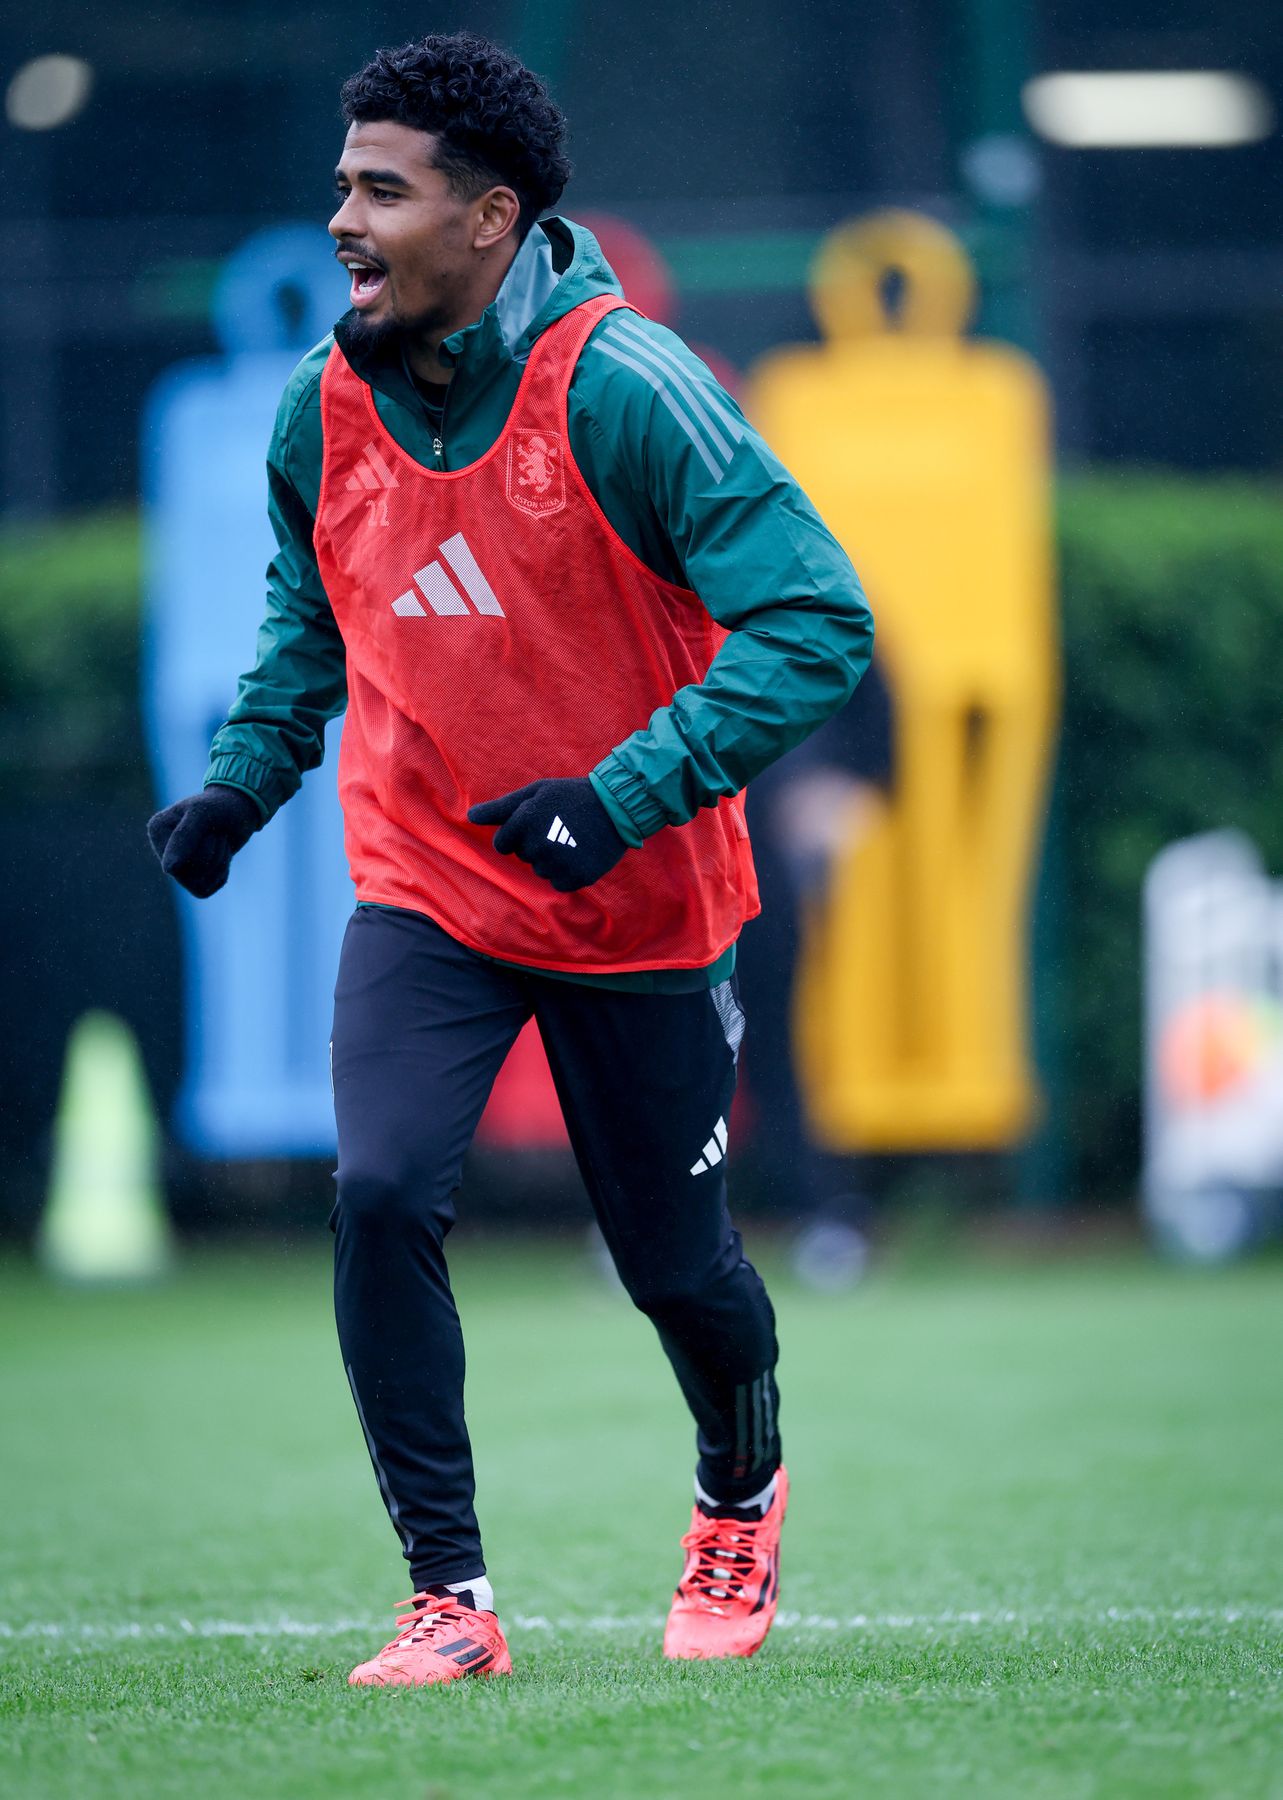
387, 334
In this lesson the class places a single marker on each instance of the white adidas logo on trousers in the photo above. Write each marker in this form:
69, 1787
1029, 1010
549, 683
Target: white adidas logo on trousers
714, 1150
441, 593
558, 834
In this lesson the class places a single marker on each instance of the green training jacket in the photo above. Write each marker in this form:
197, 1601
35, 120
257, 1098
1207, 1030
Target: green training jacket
647, 429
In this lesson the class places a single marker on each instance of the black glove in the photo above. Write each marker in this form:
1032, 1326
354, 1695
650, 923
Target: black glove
197, 838
559, 827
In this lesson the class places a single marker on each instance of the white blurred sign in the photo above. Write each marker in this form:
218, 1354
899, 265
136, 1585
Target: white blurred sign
1213, 1045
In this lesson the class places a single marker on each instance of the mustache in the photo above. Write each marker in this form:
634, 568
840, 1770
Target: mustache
367, 256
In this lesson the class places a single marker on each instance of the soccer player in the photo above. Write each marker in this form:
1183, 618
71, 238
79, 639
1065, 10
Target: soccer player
572, 605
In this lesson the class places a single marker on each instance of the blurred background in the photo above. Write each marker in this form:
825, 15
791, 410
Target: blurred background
1002, 281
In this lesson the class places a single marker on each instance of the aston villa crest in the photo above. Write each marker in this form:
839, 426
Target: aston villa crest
536, 475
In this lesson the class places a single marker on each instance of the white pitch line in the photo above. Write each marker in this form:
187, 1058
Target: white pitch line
175, 1630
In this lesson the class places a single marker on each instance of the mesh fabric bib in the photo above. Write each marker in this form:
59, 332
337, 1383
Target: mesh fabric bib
497, 631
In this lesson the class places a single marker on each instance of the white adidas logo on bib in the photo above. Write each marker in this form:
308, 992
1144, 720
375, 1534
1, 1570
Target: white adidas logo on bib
434, 585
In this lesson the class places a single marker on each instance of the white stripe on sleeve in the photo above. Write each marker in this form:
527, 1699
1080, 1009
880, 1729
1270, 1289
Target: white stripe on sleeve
708, 393
679, 380
715, 468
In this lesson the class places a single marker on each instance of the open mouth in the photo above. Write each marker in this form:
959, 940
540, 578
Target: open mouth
367, 282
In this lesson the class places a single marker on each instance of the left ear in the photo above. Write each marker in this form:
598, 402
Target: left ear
497, 216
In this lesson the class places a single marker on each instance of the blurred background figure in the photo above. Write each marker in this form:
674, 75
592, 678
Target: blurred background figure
811, 807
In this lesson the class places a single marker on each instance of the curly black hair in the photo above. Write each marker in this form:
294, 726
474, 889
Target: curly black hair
493, 119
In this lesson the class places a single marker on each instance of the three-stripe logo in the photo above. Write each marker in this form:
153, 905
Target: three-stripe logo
687, 391
714, 1150
559, 834
470, 1656
442, 594
371, 472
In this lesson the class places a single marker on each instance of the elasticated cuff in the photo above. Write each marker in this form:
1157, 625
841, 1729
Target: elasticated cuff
633, 809
260, 781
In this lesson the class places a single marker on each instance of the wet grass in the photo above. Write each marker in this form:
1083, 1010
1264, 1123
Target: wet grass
1035, 1545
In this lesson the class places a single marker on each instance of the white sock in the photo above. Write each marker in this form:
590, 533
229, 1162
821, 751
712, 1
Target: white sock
480, 1589
760, 1503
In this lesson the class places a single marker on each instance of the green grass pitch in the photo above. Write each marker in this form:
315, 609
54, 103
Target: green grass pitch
1036, 1544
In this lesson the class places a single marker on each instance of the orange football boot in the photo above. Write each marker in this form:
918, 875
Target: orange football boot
730, 1587
439, 1640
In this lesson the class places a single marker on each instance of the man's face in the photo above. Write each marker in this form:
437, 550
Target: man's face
410, 243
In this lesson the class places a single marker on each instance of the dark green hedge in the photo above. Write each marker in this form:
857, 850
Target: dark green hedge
1172, 599
69, 610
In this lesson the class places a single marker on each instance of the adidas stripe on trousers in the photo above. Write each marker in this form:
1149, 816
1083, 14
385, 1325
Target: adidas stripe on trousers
421, 1028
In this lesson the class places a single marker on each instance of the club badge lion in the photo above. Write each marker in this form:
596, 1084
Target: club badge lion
536, 472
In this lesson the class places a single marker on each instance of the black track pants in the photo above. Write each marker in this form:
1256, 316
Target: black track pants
421, 1028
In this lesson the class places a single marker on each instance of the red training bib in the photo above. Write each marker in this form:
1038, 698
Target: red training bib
498, 631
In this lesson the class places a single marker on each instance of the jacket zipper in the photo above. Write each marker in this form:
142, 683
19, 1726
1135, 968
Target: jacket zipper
438, 434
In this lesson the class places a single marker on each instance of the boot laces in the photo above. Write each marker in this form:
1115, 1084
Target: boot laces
432, 1615
723, 1560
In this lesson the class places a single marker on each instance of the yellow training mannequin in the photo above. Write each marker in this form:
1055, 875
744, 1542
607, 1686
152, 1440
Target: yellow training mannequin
928, 456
